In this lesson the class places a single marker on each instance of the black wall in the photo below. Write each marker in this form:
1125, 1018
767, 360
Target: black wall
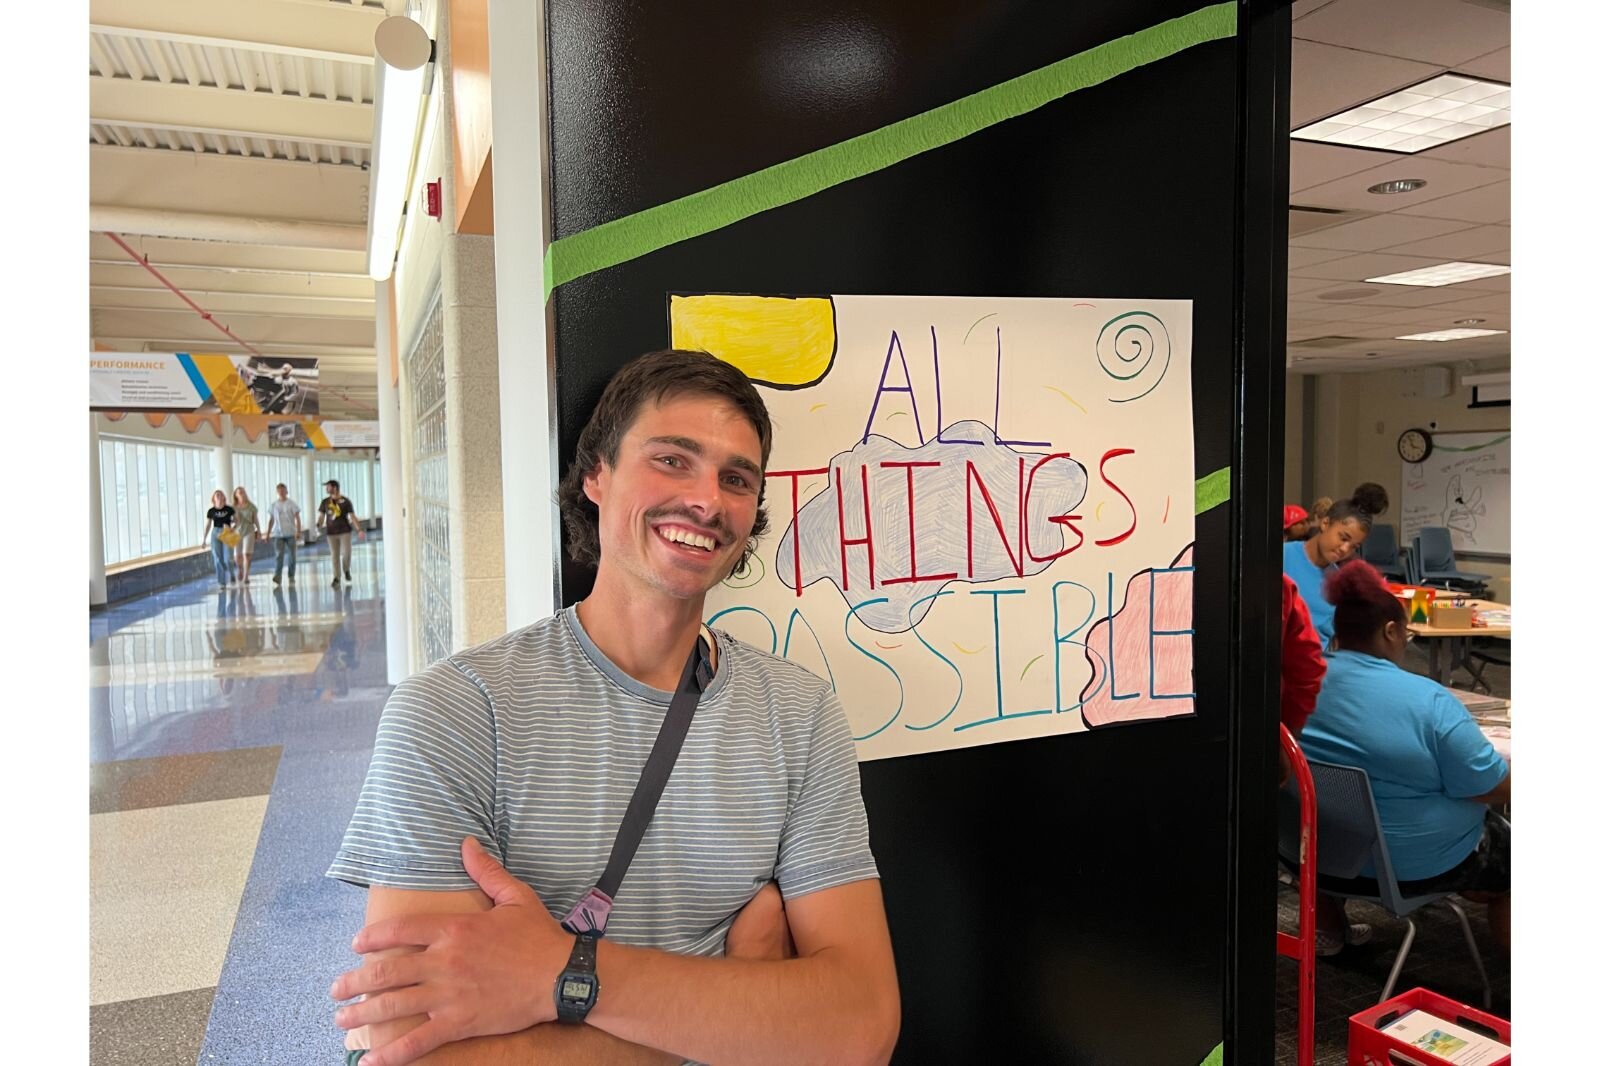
1112, 856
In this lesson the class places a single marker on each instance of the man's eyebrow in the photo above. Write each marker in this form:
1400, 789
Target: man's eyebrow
694, 447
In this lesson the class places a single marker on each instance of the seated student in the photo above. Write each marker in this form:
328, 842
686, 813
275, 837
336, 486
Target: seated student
1434, 774
1301, 668
1309, 562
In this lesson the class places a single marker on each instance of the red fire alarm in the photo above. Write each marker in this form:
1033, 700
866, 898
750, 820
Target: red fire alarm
435, 198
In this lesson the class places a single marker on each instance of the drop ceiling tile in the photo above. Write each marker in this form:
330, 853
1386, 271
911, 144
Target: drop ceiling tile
1303, 288
1329, 312
1499, 283
1421, 317
1443, 178
1313, 163
1486, 204
1362, 267
1444, 32
1492, 148
1415, 296
1327, 80
1475, 245
1480, 303
1380, 231
1496, 65
1302, 8
1303, 257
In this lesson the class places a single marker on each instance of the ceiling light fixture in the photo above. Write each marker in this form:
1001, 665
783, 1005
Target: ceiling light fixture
1442, 274
1450, 335
402, 77
1470, 321
1387, 188
1432, 112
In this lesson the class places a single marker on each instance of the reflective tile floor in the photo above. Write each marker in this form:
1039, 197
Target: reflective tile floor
229, 732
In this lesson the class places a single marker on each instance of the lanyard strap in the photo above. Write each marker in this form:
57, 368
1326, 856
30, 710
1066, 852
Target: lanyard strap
591, 912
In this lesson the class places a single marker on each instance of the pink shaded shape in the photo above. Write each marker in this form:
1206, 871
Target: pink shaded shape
1174, 656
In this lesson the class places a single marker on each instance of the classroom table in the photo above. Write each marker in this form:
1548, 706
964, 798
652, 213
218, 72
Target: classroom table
1457, 640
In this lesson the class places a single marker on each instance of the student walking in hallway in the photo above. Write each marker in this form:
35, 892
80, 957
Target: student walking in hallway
283, 529
336, 514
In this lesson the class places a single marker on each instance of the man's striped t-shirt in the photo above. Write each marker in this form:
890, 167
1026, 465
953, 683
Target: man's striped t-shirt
533, 743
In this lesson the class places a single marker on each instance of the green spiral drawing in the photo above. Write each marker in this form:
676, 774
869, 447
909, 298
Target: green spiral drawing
1134, 347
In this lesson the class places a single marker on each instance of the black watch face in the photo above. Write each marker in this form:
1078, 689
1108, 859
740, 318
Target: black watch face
577, 989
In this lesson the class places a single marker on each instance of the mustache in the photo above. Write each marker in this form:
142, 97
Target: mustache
719, 527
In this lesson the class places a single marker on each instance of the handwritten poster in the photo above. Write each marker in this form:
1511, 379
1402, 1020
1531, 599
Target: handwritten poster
982, 509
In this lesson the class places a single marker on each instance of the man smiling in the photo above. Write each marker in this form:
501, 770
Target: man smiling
500, 777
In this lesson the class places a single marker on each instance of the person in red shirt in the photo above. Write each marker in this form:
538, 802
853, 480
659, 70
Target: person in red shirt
1301, 667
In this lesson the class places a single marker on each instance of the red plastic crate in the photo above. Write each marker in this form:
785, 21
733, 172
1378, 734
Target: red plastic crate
1370, 1046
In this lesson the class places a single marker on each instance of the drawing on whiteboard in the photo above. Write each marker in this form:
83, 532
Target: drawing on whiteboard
1461, 514
984, 508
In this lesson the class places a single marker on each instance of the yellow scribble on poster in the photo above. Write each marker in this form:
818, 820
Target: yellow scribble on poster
779, 341
228, 389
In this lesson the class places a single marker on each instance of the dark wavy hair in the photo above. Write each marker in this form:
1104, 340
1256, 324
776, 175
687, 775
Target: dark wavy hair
653, 378
1371, 497
1350, 509
1362, 603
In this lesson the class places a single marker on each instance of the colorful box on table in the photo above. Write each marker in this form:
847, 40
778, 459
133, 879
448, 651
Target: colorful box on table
1418, 602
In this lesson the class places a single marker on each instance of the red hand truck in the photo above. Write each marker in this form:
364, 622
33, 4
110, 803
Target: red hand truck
1303, 947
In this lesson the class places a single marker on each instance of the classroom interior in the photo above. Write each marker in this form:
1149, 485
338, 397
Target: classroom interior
236, 722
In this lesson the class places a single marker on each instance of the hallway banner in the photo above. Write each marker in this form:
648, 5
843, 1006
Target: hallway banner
311, 433
203, 382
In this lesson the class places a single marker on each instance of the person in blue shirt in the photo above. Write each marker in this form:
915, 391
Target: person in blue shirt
1434, 775
1308, 563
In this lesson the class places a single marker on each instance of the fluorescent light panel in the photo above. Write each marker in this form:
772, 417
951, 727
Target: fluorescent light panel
1450, 335
1428, 114
402, 54
1442, 274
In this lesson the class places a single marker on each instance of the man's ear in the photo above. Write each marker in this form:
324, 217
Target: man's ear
593, 487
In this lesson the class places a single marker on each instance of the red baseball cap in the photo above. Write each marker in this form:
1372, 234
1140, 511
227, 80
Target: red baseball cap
1293, 513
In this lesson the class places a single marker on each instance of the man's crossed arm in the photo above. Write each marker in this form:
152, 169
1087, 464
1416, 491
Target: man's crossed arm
472, 974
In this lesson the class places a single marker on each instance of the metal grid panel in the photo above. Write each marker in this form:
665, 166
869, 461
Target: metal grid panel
430, 512
238, 70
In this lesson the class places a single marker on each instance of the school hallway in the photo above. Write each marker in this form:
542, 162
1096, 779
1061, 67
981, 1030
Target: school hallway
229, 733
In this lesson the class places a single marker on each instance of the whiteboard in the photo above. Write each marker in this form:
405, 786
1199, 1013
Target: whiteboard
1465, 486
982, 508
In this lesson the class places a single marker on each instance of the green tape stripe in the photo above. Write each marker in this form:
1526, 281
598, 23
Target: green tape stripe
1473, 447
1212, 490
1215, 1058
711, 209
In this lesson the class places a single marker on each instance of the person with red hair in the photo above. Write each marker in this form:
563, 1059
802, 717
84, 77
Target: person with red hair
1434, 775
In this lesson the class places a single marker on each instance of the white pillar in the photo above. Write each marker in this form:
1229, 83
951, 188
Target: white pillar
97, 545
312, 497
223, 460
518, 65
372, 496
396, 588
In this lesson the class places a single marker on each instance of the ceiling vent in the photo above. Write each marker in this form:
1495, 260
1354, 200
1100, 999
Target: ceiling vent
1348, 294
1330, 341
1303, 219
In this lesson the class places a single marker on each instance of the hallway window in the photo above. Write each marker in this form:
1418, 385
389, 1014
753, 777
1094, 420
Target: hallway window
153, 496
261, 474
351, 474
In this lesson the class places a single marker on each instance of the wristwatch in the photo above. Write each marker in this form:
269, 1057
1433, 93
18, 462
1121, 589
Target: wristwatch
577, 988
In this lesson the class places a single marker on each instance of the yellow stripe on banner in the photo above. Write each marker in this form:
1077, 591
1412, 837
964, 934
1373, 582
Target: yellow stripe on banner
315, 435
228, 389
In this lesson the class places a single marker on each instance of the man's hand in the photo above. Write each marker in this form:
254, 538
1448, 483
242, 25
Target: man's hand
761, 930
478, 974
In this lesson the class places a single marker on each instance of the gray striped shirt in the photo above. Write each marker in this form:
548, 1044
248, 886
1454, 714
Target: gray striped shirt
533, 743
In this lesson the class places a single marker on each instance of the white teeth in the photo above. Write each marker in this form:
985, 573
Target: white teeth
682, 536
